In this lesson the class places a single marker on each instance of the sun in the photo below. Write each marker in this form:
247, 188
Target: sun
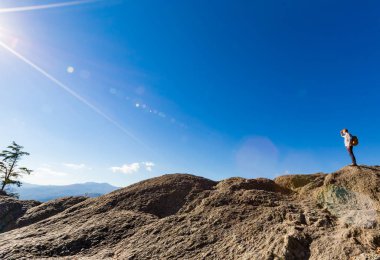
6, 36
9, 42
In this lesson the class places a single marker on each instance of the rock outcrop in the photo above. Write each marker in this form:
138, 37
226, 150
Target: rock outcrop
46, 210
11, 210
181, 216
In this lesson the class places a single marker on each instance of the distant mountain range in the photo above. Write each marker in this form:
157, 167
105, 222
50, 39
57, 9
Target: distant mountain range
48, 192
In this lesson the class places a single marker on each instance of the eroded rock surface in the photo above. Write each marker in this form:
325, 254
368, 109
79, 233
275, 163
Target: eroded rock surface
181, 216
11, 210
47, 209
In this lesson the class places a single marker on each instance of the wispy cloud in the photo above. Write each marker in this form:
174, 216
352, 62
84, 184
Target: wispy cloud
148, 165
46, 6
48, 171
75, 166
46, 175
133, 167
126, 168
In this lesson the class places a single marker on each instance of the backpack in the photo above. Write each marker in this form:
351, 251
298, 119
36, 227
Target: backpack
354, 141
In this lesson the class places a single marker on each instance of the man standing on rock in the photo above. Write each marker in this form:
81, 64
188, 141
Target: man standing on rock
348, 143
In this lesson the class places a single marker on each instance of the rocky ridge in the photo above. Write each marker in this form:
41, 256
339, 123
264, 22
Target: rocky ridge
181, 216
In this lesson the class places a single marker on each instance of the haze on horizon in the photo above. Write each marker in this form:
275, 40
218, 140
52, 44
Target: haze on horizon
119, 91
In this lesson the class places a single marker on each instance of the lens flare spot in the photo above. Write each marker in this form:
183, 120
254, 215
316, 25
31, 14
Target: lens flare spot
70, 69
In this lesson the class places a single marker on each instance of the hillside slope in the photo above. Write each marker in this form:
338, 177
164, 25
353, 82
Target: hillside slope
180, 216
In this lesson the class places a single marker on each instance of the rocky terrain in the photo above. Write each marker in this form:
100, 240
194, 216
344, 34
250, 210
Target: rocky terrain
180, 216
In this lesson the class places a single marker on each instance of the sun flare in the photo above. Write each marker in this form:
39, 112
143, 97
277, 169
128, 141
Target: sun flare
9, 41
46, 6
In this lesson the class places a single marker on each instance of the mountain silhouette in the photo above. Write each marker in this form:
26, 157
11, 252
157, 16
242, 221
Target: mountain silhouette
49, 192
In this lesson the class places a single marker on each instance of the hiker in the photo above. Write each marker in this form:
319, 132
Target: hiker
348, 142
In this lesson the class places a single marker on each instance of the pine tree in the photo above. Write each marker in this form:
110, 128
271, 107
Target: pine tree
10, 172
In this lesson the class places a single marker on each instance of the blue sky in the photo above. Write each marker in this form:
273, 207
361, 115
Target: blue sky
120, 91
